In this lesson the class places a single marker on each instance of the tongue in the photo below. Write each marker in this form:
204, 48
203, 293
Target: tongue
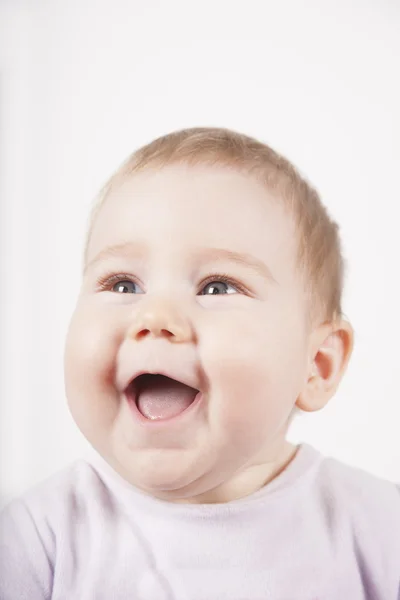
162, 398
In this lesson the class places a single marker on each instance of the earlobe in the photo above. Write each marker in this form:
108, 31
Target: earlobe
331, 348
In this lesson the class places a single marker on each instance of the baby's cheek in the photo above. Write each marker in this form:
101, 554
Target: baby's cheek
242, 359
90, 349
89, 373
234, 342
235, 356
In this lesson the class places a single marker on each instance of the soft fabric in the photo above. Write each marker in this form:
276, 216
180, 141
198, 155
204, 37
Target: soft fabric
321, 530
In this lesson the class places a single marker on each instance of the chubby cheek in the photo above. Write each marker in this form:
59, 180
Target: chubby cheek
254, 374
89, 368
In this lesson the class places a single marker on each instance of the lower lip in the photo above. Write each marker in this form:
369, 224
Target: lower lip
131, 400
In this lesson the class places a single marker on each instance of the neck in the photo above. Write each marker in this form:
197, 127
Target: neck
250, 479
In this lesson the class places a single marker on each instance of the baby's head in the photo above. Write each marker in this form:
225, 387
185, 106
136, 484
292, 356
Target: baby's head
195, 214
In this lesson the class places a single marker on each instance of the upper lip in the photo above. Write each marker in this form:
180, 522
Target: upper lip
186, 379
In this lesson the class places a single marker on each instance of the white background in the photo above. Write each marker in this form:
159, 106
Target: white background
83, 84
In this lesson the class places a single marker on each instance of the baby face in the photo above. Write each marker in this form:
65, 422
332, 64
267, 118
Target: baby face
201, 286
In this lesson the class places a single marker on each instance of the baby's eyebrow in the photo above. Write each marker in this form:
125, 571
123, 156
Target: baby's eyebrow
242, 259
125, 249
139, 250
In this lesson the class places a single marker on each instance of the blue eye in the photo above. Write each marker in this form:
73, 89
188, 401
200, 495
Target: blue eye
124, 286
217, 288
120, 283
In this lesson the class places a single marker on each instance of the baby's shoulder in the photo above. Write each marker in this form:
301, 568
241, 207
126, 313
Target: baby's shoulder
47, 533
370, 502
64, 496
356, 482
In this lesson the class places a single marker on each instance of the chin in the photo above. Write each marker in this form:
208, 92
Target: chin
157, 472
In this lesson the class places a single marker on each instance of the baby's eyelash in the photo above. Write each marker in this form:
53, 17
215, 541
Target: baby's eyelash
225, 279
105, 282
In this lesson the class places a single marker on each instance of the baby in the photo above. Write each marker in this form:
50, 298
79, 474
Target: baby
193, 491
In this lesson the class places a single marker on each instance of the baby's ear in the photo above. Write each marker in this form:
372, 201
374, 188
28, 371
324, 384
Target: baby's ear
331, 346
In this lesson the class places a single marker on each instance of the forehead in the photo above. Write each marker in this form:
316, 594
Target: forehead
181, 206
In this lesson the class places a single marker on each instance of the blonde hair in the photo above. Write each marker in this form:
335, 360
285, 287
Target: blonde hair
319, 250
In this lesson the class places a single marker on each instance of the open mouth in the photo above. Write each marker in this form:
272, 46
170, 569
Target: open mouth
158, 397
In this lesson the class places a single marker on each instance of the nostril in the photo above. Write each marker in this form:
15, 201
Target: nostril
167, 333
160, 332
142, 333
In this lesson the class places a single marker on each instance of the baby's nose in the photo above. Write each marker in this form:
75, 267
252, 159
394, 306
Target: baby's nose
161, 319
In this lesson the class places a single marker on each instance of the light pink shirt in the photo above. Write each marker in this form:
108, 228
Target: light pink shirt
321, 530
